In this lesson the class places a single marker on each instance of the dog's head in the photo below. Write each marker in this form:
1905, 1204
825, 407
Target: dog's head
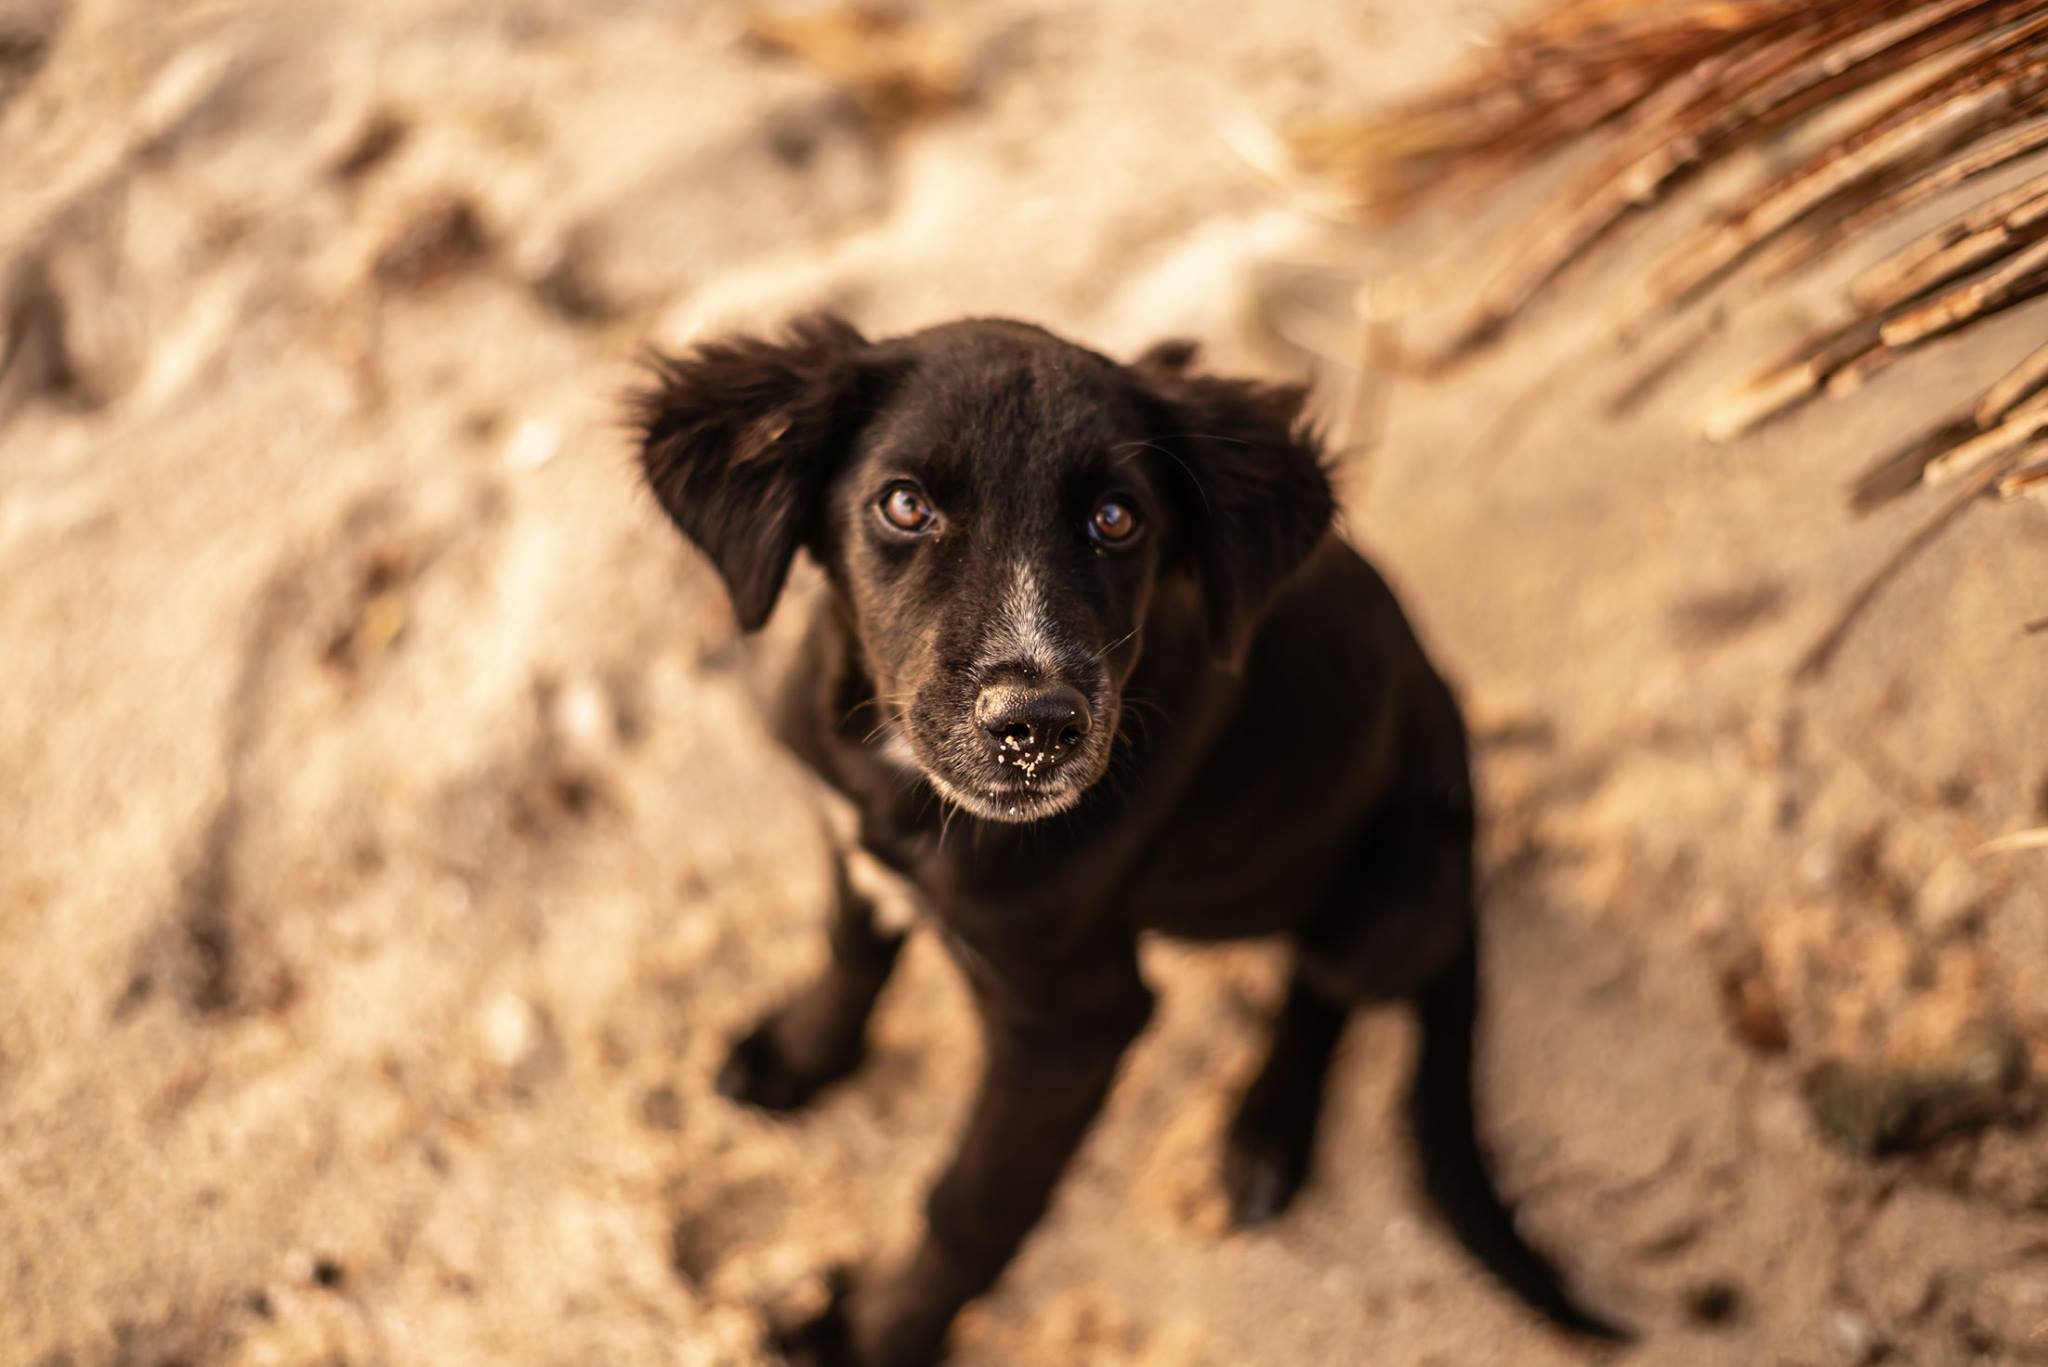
999, 511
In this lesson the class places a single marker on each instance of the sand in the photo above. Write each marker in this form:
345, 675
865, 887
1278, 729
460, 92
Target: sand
389, 843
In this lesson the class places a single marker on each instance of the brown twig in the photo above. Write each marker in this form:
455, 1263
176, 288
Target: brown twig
2001, 441
1926, 95
1817, 238
1997, 73
1730, 96
1987, 232
2017, 280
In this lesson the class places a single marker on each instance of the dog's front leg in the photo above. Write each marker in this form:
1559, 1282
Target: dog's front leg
817, 1036
1051, 1053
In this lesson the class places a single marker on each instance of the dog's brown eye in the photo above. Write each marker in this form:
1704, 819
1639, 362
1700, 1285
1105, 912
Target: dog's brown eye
905, 509
1114, 524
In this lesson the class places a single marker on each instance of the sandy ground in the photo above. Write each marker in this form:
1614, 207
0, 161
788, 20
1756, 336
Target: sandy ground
388, 843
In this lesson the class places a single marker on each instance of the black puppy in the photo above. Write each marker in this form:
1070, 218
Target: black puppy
1094, 617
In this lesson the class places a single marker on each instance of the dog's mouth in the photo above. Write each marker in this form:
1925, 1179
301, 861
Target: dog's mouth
1015, 803
1020, 798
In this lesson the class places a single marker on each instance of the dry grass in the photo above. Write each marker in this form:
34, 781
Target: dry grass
1921, 96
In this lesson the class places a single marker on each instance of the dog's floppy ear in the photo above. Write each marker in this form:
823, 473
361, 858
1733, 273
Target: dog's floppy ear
737, 440
1256, 498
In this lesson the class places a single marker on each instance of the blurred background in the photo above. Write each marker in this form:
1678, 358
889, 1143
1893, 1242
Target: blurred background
388, 844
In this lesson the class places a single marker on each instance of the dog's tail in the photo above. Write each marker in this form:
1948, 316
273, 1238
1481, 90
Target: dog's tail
1453, 1169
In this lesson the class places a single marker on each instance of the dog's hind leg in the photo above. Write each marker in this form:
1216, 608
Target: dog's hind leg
1412, 934
1399, 910
819, 1035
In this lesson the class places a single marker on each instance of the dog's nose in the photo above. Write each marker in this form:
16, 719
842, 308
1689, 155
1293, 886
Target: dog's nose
1031, 725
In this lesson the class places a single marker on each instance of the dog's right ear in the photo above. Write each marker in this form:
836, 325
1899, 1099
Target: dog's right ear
738, 439
1252, 484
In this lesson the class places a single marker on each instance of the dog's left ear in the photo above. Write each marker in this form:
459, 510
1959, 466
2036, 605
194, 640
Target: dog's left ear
1255, 492
738, 439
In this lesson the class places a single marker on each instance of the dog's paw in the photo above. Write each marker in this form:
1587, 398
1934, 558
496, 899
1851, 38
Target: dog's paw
756, 1074
763, 1071
1265, 1162
864, 1329
824, 1340
1260, 1184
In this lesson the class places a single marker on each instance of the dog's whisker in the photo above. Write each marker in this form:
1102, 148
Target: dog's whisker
1097, 656
854, 710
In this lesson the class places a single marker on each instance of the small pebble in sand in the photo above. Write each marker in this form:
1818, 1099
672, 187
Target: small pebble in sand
511, 1030
581, 716
533, 444
1857, 1337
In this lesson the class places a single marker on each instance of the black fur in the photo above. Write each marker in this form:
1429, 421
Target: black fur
1065, 735
737, 441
